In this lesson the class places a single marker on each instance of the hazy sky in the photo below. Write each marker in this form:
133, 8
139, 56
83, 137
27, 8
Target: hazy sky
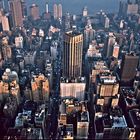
75, 6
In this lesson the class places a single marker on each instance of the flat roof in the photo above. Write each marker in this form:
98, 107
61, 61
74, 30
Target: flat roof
73, 33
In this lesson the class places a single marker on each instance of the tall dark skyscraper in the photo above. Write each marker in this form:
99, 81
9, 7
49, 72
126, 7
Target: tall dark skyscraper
72, 54
128, 67
4, 5
1, 4
16, 11
122, 8
24, 8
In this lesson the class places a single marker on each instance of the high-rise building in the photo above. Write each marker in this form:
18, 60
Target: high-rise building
40, 88
1, 14
1, 59
104, 19
107, 85
16, 11
7, 52
99, 67
2, 4
116, 49
88, 35
24, 8
29, 57
57, 11
34, 11
19, 41
83, 125
5, 23
85, 12
128, 67
92, 51
107, 88
9, 84
121, 24
122, 8
132, 42
109, 43
10, 107
67, 21
72, 54
132, 8
47, 7
47, 14
106, 22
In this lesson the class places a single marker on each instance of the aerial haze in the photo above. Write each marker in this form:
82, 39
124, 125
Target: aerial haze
76, 6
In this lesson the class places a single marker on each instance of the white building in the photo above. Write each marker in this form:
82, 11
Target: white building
19, 41
73, 89
85, 12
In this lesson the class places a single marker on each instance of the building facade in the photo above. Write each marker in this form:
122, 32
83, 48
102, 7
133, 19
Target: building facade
16, 12
72, 54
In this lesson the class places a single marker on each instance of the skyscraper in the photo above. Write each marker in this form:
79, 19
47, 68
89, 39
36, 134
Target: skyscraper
4, 5
5, 23
132, 7
122, 8
88, 35
7, 52
85, 12
57, 11
16, 11
116, 49
47, 14
67, 21
1, 4
19, 41
24, 8
72, 54
34, 11
40, 88
128, 67
47, 7
109, 43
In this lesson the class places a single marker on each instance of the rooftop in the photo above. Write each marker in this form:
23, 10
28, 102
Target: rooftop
106, 78
77, 80
84, 117
119, 122
66, 131
24, 133
73, 33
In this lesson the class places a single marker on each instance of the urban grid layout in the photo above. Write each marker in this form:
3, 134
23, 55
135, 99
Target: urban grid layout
67, 76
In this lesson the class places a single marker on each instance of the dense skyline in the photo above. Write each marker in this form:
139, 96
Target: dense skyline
71, 71
75, 6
